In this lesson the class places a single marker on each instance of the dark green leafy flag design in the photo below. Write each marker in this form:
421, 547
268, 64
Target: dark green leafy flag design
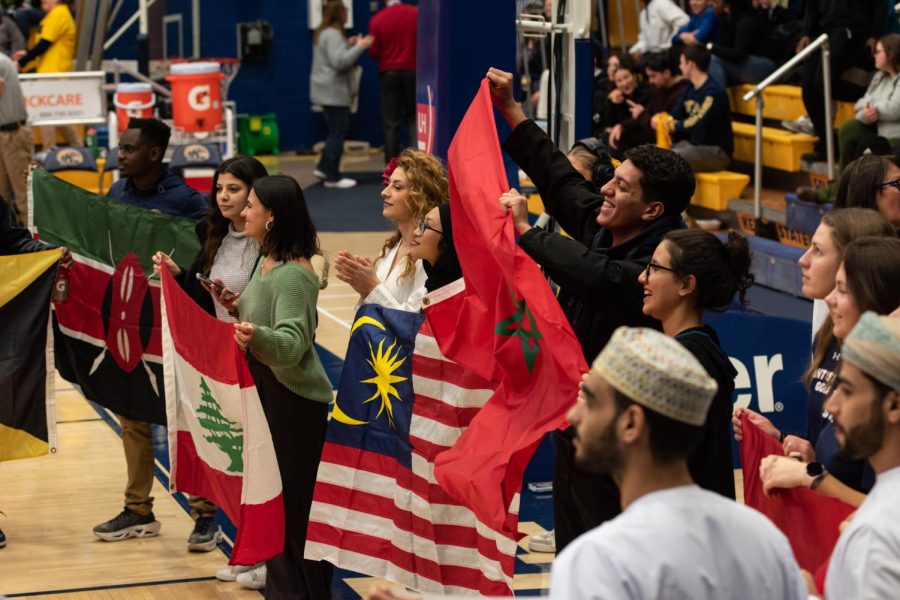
222, 431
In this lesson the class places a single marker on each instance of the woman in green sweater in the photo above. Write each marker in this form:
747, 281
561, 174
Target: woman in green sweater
276, 327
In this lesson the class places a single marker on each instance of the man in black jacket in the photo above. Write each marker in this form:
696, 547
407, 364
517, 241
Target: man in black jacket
614, 235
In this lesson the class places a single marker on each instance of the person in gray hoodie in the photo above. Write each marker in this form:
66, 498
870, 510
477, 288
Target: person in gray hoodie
331, 84
878, 111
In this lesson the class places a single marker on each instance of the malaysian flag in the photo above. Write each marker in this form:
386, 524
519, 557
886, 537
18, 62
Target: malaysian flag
377, 508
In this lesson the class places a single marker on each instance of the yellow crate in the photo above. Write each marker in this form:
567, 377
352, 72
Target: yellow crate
715, 189
781, 149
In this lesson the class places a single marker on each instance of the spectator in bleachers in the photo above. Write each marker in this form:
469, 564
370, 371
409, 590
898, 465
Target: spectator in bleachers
878, 111
629, 95
853, 30
700, 29
859, 174
604, 83
872, 182
657, 24
669, 86
742, 53
702, 119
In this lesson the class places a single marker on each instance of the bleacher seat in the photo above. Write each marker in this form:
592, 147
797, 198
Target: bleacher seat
196, 163
715, 189
75, 165
782, 103
781, 149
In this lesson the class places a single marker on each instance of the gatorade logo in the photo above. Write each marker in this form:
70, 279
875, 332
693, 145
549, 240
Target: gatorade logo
198, 98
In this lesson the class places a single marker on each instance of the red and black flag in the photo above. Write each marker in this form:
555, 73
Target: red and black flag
108, 331
27, 424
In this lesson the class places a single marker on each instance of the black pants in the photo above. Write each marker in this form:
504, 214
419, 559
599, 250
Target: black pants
581, 501
298, 434
846, 51
398, 105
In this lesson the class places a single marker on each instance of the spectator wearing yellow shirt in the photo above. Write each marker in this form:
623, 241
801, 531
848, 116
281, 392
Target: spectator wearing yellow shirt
55, 53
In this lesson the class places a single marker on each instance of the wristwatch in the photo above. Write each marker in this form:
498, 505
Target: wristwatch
817, 472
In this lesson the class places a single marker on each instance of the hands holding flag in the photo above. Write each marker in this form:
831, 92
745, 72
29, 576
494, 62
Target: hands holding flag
516, 204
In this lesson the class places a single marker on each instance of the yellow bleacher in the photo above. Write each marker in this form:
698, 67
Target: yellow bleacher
782, 103
781, 149
715, 189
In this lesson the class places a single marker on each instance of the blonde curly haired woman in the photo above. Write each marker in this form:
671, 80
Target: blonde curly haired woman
414, 183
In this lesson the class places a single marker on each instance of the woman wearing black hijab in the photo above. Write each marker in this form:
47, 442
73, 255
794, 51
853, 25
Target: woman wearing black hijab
433, 244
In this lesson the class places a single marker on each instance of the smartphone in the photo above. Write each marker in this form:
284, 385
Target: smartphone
221, 288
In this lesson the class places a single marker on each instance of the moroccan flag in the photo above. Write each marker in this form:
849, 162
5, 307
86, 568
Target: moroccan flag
27, 419
219, 442
377, 508
107, 333
506, 327
808, 519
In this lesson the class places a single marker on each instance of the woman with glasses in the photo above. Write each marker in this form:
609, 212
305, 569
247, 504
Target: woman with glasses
414, 184
276, 328
878, 111
872, 181
691, 271
819, 268
433, 245
867, 280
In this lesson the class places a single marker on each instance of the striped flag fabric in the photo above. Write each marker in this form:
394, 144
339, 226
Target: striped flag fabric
27, 413
107, 333
377, 508
220, 446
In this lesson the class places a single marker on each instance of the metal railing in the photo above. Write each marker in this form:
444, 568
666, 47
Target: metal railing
820, 43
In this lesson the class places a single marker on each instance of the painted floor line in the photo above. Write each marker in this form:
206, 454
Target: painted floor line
117, 586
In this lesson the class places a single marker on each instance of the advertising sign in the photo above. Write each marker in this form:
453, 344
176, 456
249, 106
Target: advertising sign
65, 98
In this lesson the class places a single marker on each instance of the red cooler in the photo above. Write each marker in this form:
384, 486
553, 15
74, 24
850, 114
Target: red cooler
133, 100
196, 96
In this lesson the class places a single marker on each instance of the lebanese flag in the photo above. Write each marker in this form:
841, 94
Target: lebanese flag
219, 442
507, 327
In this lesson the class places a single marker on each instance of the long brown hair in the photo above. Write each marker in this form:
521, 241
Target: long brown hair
891, 45
428, 187
872, 266
847, 224
334, 14
245, 168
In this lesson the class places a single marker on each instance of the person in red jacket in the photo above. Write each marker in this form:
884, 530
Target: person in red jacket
394, 30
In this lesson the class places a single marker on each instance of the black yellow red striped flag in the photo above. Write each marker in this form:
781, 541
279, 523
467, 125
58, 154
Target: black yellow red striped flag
27, 424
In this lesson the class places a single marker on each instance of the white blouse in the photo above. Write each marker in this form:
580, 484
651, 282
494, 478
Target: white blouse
394, 292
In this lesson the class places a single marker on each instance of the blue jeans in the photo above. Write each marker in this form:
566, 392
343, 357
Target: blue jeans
337, 119
752, 69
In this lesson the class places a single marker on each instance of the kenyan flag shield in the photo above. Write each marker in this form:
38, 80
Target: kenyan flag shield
107, 332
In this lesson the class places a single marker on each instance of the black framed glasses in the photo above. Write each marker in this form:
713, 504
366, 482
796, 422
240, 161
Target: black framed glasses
421, 226
895, 183
652, 266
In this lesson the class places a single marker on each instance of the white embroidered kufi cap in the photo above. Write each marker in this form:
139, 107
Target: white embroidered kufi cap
874, 347
657, 372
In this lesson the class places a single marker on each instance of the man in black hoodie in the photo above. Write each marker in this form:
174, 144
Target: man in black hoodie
614, 235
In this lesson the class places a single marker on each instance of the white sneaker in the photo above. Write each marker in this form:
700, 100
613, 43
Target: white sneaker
319, 174
802, 124
230, 573
344, 183
254, 579
543, 542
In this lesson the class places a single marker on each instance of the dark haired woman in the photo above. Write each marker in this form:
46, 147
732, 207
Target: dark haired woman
277, 325
867, 280
819, 266
433, 245
692, 271
878, 111
872, 181
331, 86
227, 256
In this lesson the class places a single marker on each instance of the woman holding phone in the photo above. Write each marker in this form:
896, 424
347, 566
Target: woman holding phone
226, 259
276, 327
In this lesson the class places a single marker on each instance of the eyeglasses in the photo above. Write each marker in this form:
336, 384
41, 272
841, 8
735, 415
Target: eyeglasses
652, 266
421, 226
895, 183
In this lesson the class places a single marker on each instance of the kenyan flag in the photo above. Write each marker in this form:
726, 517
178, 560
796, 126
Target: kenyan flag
107, 333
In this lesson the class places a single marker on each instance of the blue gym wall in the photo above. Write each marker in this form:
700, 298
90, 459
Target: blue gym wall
281, 83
